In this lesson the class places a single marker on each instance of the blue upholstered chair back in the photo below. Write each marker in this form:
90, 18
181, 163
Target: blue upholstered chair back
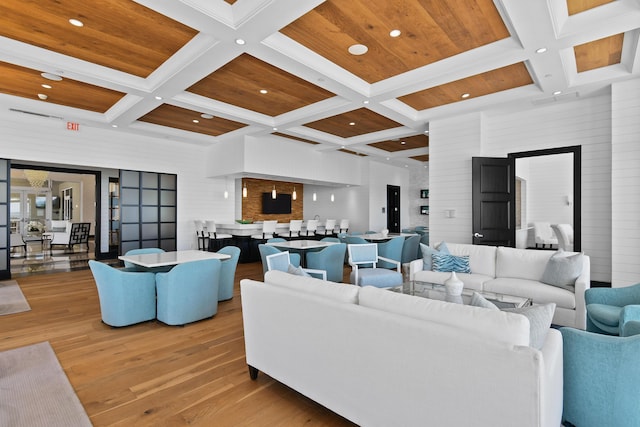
228, 272
131, 266
329, 259
189, 292
365, 253
355, 240
330, 239
601, 379
125, 297
391, 249
279, 261
410, 248
269, 250
612, 310
276, 240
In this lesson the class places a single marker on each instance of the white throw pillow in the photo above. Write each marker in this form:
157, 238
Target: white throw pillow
540, 318
563, 269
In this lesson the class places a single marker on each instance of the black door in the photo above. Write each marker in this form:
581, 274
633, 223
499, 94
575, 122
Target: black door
393, 208
5, 224
492, 200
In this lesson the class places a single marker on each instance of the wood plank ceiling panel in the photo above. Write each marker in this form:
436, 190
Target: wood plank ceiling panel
296, 138
27, 83
401, 144
422, 158
123, 35
181, 118
599, 53
505, 78
577, 6
431, 30
353, 123
241, 81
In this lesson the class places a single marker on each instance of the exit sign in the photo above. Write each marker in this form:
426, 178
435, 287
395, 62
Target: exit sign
73, 126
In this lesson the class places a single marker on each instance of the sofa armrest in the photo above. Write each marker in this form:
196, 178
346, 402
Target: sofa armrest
583, 282
415, 266
552, 354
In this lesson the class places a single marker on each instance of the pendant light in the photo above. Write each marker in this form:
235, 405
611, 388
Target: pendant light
294, 195
273, 192
244, 190
315, 197
332, 197
226, 188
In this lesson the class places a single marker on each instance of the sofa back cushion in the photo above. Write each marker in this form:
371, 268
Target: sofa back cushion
335, 291
521, 263
482, 259
488, 324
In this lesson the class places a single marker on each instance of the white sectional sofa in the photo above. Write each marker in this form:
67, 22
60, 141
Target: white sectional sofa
515, 272
381, 358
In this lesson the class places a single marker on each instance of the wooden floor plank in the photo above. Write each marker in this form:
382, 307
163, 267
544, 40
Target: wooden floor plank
152, 374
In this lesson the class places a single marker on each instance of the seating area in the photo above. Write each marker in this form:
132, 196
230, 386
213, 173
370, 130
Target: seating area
67, 233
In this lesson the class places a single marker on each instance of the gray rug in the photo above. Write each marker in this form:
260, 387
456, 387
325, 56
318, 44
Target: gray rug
34, 390
11, 298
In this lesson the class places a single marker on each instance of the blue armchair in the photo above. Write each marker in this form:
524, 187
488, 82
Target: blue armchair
411, 249
363, 259
133, 267
391, 249
270, 250
601, 379
329, 259
228, 272
125, 297
189, 292
613, 311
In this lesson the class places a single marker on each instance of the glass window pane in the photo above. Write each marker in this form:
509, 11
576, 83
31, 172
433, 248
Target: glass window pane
129, 178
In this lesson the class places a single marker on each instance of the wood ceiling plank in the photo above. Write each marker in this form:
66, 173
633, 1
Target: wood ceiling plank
181, 118
27, 83
401, 144
599, 53
423, 158
509, 77
296, 138
365, 121
577, 6
122, 35
239, 83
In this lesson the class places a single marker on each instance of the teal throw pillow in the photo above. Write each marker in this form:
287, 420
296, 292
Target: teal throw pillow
540, 317
427, 251
562, 270
448, 262
478, 300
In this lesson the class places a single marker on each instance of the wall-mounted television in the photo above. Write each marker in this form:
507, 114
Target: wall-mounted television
41, 202
280, 205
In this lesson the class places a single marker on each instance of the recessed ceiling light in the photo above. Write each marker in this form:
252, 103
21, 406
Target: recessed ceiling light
46, 86
558, 92
426, 131
387, 158
42, 96
264, 91
541, 50
365, 101
76, 22
196, 121
358, 49
465, 95
206, 116
50, 76
403, 142
342, 147
158, 97
275, 128
395, 33
114, 126
352, 124
240, 42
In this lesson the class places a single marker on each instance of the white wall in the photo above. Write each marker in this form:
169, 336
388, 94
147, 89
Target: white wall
585, 122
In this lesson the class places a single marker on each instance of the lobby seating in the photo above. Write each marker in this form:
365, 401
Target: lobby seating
613, 311
189, 292
125, 297
601, 379
17, 242
564, 234
411, 249
544, 235
67, 233
363, 259
329, 259
228, 272
282, 262
391, 249
266, 250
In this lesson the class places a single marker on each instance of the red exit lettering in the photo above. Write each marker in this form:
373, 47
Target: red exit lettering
73, 126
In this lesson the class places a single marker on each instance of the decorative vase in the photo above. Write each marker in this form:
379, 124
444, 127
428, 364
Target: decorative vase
453, 285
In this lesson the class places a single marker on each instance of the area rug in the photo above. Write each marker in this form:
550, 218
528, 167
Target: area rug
34, 390
11, 298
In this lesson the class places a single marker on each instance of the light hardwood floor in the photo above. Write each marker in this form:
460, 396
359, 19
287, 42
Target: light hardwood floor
151, 374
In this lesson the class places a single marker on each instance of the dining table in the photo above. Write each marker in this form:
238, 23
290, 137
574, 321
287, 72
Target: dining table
164, 259
302, 246
384, 237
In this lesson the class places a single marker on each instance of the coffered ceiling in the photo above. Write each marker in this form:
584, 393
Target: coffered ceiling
203, 71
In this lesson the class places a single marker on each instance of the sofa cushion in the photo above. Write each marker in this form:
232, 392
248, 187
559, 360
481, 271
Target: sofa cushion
427, 254
449, 263
606, 314
482, 258
539, 292
488, 324
563, 269
521, 263
540, 317
471, 281
331, 290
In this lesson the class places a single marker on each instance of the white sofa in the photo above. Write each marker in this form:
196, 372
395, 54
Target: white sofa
380, 358
515, 272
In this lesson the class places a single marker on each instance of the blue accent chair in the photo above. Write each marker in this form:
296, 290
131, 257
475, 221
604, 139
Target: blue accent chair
281, 261
189, 292
228, 272
330, 239
601, 379
613, 311
391, 249
329, 259
133, 267
270, 250
410, 249
126, 297
425, 238
276, 240
365, 255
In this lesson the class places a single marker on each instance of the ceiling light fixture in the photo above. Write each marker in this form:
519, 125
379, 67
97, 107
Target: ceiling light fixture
273, 192
315, 197
465, 95
196, 121
365, 101
240, 42
395, 33
358, 49
403, 142
244, 190
206, 116
42, 96
294, 195
263, 91
158, 97
114, 126
352, 123
76, 22
558, 92
36, 178
51, 76
46, 86
333, 198
541, 50
275, 129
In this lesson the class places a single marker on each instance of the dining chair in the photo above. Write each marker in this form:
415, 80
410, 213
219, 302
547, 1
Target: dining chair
344, 226
126, 297
391, 249
281, 261
410, 248
330, 239
189, 292
361, 256
544, 234
199, 226
133, 267
295, 226
564, 234
266, 250
218, 239
268, 231
329, 259
228, 272
312, 227
329, 225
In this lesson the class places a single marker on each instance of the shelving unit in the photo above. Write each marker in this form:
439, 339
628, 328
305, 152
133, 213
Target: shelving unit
114, 214
424, 197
